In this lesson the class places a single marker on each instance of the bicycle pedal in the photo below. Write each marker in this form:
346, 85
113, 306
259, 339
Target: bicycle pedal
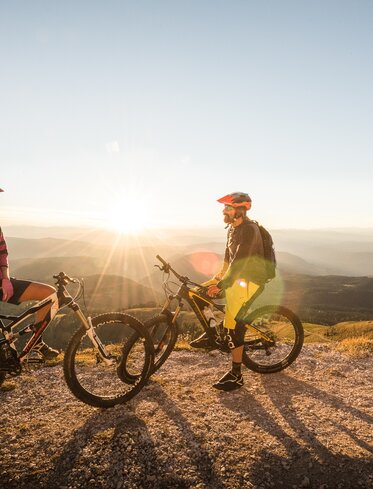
34, 361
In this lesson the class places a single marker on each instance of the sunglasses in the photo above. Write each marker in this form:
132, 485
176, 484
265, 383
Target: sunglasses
228, 207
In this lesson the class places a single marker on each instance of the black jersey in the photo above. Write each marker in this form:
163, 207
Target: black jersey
244, 254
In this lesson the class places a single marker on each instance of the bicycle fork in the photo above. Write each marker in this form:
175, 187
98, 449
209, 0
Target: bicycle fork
96, 342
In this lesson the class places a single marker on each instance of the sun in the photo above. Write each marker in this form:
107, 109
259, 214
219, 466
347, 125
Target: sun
126, 218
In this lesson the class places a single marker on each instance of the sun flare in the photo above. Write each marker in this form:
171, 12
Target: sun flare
126, 218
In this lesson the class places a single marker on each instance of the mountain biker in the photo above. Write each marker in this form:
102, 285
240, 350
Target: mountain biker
241, 277
15, 291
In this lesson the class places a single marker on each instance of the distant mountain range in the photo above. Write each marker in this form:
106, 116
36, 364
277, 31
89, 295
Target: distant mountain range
321, 299
325, 276
316, 252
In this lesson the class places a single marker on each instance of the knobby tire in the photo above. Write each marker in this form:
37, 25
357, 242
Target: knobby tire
72, 379
297, 327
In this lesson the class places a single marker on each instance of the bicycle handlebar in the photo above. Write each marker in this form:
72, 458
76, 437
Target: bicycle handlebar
167, 268
63, 278
161, 260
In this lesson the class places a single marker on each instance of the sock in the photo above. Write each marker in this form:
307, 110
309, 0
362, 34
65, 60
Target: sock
236, 368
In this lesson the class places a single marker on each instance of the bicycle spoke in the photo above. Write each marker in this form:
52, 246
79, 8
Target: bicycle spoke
273, 339
95, 379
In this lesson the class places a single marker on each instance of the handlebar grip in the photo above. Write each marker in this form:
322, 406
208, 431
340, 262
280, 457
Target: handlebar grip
161, 260
63, 276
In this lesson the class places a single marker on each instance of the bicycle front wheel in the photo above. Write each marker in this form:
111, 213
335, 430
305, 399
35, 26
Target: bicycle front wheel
94, 380
163, 335
273, 339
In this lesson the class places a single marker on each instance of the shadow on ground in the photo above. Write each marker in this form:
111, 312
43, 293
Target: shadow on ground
308, 460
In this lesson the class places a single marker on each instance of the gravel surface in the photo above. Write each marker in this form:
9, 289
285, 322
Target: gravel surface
309, 426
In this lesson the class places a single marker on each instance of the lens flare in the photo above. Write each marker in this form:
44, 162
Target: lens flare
206, 263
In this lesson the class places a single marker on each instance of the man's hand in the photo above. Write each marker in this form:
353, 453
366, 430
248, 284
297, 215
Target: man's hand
213, 290
7, 287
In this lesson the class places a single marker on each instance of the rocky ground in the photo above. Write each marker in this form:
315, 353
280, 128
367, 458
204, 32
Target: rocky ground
309, 426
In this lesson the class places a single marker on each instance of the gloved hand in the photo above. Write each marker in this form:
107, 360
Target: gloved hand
213, 290
7, 287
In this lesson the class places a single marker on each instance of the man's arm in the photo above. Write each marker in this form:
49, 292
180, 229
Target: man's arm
3, 257
4, 270
225, 266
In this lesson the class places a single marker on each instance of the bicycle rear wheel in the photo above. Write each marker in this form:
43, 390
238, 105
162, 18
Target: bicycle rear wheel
273, 339
163, 334
96, 382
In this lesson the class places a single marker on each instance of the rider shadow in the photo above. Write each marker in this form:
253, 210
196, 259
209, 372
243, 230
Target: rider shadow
291, 387
193, 443
122, 425
121, 422
305, 454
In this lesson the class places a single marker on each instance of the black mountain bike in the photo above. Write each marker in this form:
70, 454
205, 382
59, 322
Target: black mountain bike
273, 334
93, 354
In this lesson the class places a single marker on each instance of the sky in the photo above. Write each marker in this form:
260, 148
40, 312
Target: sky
142, 114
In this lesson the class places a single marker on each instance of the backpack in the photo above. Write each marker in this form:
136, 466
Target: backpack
269, 253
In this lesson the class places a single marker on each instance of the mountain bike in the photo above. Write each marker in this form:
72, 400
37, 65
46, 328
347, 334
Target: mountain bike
273, 334
93, 354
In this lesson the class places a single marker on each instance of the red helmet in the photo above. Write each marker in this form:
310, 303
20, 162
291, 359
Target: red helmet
236, 199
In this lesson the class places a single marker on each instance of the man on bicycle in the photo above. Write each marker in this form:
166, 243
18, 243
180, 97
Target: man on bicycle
241, 278
16, 291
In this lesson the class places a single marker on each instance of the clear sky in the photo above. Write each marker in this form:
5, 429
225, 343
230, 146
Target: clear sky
150, 110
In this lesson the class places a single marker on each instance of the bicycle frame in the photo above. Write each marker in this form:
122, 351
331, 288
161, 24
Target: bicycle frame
12, 337
64, 298
197, 301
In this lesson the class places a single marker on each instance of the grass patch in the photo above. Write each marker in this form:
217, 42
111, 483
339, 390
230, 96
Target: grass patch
55, 361
358, 347
351, 329
316, 333
183, 343
8, 385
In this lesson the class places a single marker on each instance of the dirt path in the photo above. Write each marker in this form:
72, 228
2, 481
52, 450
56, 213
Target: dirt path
310, 426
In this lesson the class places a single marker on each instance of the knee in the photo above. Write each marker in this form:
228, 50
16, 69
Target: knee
236, 336
45, 290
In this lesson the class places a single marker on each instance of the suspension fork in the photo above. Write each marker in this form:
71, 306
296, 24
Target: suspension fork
174, 315
166, 308
91, 333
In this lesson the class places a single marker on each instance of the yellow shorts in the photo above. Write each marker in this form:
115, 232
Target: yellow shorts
240, 292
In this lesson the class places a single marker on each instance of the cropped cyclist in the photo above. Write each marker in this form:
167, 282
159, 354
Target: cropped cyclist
242, 276
16, 291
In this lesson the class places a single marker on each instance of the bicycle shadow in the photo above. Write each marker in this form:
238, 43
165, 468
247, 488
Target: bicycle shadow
306, 455
107, 434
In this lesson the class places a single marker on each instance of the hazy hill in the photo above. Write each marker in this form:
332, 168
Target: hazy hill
50, 247
344, 252
42, 269
287, 262
316, 252
199, 267
113, 293
322, 299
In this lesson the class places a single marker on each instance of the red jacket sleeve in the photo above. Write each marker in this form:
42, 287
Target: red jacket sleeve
3, 251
